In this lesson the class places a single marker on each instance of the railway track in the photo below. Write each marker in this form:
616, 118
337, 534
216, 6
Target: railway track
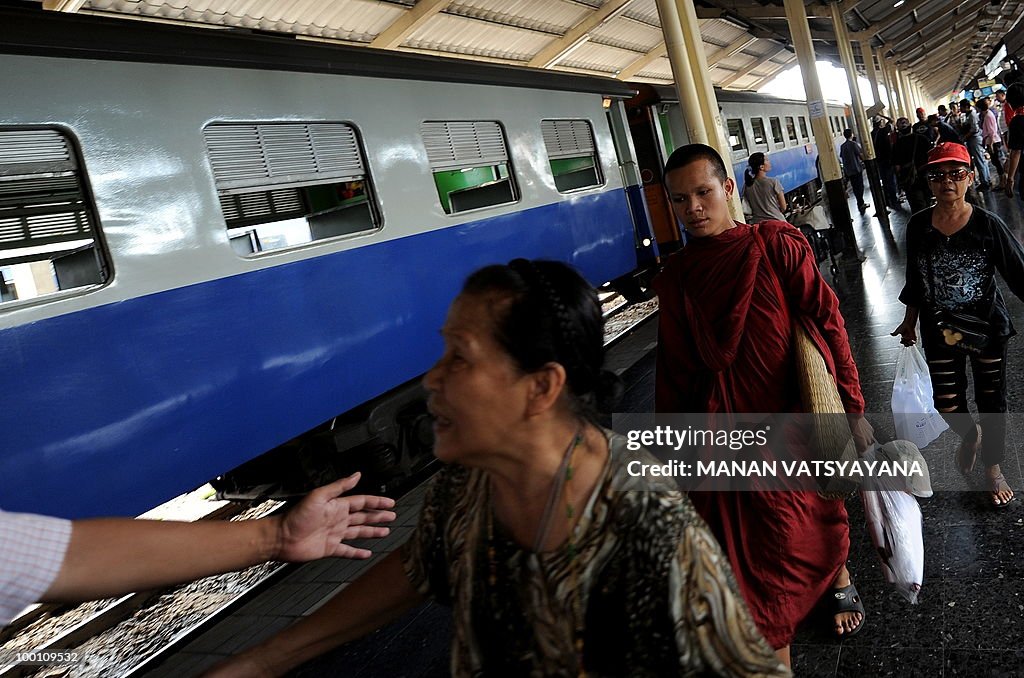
621, 317
130, 635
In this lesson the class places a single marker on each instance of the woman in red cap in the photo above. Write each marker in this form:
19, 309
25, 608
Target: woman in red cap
953, 252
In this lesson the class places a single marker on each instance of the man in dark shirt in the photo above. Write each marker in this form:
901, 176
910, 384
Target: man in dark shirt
853, 167
908, 155
881, 137
943, 130
922, 127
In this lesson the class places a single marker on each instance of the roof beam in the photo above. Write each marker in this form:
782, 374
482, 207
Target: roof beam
941, 76
954, 15
70, 6
943, 80
404, 26
643, 62
937, 72
933, 81
773, 71
733, 48
758, 12
751, 65
577, 35
891, 20
928, 47
756, 27
950, 47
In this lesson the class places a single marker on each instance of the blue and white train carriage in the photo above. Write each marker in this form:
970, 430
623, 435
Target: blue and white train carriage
212, 243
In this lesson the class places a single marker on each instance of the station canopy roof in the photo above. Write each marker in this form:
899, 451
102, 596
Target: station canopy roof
943, 44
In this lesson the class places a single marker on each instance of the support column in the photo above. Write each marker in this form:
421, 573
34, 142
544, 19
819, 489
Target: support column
903, 97
835, 192
906, 95
707, 101
890, 95
890, 85
897, 81
897, 92
859, 116
682, 75
926, 101
868, 57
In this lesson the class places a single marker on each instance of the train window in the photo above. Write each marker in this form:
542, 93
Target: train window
286, 184
737, 137
791, 128
48, 231
470, 163
803, 128
571, 154
757, 124
776, 130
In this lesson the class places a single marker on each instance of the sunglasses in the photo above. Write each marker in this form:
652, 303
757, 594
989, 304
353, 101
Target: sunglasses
956, 175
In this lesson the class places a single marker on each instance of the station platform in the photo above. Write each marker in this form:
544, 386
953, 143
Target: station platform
970, 616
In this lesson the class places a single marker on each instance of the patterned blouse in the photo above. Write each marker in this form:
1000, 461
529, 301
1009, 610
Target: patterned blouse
657, 595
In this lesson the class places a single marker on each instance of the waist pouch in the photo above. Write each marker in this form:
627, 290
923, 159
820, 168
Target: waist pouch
965, 333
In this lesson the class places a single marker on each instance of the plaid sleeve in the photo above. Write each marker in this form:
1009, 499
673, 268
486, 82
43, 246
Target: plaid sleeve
32, 549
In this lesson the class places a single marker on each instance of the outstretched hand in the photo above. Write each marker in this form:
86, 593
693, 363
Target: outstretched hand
318, 526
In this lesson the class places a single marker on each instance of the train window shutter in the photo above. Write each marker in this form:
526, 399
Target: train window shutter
457, 145
567, 138
246, 157
470, 164
41, 196
285, 184
571, 154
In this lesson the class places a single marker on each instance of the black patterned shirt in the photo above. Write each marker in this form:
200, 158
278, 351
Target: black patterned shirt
957, 272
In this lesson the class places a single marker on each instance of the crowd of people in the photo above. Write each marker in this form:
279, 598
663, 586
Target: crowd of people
552, 562
982, 126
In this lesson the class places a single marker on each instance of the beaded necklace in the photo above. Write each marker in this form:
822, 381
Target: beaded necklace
563, 477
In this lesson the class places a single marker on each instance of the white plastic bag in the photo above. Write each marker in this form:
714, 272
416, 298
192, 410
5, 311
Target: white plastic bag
913, 410
894, 521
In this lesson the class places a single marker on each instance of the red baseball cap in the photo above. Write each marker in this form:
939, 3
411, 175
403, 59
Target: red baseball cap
921, 111
948, 151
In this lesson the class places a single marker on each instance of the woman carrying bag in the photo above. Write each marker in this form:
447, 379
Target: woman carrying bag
953, 252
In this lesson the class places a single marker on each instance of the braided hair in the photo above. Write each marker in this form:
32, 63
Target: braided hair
552, 315
754, 164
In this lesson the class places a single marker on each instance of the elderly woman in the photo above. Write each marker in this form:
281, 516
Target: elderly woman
953, 252
550, 567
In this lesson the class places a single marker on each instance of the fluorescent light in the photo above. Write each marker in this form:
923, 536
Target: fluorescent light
898, 3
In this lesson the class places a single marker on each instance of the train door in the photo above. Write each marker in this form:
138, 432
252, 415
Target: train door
646, 246
648, 134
